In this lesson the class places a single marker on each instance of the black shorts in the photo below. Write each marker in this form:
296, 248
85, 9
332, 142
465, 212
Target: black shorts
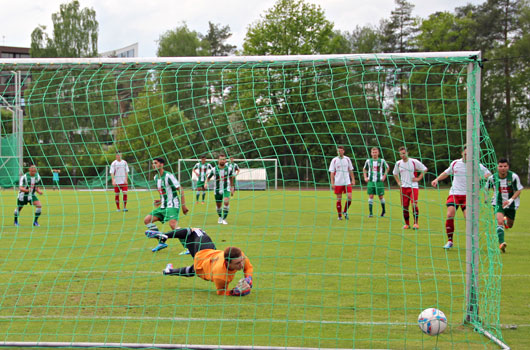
197, 240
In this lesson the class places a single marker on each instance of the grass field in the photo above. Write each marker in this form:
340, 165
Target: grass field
88, 274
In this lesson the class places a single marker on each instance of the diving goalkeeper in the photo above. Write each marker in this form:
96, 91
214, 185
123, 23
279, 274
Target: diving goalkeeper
210, 264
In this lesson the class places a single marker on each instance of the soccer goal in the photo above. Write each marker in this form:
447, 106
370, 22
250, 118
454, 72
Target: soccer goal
87, 277
253, 174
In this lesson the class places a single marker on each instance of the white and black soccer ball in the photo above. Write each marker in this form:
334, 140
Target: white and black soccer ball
432, 321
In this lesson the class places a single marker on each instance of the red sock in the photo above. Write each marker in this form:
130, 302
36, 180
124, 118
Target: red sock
450, 228
348, 203
339, 207
124, 200
117, 198
406, 215
416, 214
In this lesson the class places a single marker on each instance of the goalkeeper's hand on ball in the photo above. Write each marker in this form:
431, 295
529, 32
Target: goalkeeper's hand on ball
243, 287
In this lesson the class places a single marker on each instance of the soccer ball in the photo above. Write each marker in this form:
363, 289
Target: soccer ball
432, 321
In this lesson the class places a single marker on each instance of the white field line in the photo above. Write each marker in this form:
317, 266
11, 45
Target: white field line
154, 273
239, 320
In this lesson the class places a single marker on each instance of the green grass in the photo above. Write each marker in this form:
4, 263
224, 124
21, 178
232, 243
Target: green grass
88, 274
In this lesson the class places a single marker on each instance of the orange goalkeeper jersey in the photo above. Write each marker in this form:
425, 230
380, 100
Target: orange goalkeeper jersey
210, 265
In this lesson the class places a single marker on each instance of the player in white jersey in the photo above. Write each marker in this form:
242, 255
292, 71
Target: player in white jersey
201, 170
29, 184
375, 171
507, 186
457, 193
342, 179
119, 170
167, 207
408, 172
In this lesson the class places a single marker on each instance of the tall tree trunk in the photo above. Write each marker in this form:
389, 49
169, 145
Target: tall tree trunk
507, 86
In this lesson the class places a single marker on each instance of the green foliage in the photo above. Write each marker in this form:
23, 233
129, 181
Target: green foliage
216, 37
399, 31
291, 27
75, 34
181, 41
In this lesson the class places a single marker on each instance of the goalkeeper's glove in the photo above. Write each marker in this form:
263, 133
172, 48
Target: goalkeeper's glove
242, 288
249, 281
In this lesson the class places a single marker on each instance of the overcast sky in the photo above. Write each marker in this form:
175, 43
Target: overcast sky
124, 22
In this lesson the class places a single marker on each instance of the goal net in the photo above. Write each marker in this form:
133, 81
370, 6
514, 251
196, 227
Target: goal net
88, 277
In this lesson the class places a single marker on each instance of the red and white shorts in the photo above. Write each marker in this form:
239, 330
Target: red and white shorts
409, 195
456, 200
342, 189
123, 188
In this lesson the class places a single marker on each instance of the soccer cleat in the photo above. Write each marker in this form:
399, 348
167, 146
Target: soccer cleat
118, 210
224, 222
160, 246
383, 214
125, 209
152, 233
371, 215
168, 269
339, 218
16, 223
220, 220
36, 224
203, 202
448, 245
406, 227
502, 247
185, 252
346, 216
416, 226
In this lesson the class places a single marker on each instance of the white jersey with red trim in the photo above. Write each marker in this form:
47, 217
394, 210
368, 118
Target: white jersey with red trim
458, 169
341, 166
407, 171
119, 169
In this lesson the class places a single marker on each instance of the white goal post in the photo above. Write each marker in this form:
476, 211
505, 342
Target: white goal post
246, 174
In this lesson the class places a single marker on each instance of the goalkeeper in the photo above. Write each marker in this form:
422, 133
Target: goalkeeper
213, 265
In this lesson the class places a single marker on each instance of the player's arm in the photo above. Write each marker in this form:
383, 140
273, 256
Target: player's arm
112, 171
332, 173
516, 194
387, 169
365, 172
352, 177
183, 200
440, 177
126, 173
422, 173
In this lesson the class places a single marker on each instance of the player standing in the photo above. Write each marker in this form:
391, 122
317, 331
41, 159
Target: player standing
213, 265
224, 181
408, 172
342, 179
457, 193
55, 178
29, 184
375, 171
119, 170
235, 171
168, 206
201, 170
507, 189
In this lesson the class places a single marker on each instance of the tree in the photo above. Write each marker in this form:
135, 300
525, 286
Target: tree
216, 37
181, 42
75, 34
365, 39
291, 27
399, 31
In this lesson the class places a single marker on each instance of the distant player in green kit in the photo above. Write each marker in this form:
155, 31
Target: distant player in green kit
201, 170
29, 184
168, 206
224, 181
375, 171
508, 188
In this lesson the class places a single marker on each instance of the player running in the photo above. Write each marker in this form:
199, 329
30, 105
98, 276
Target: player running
201, 170
29, 184
507, 190
342, 179
224, 182
210, 264
119, 170
375, 171
408, 172
168, 206
457, 193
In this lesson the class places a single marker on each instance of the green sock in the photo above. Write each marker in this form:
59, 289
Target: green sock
500, 233
225, 211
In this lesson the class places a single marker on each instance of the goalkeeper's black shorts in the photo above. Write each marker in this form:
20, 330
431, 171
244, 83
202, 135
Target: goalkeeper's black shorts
197, 240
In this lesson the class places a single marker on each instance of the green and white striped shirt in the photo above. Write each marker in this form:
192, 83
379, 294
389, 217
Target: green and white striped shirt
222, 178
29, 182
168, 186
376, 169
204, 170
505, 188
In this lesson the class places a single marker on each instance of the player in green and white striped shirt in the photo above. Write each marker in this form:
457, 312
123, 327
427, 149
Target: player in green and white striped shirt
235, 170
224, 182
375, 171
201, 170
29, 184
168, 206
